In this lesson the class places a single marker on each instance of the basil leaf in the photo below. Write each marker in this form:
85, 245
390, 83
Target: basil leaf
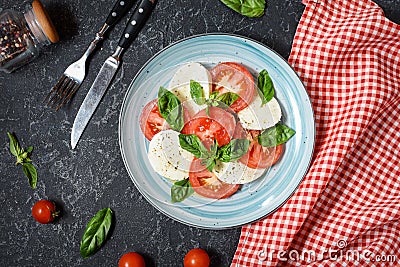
276, 135
30, 172
208, 111
22, 157
96, 232
265, 86
222, 101
197, 93
214, 148
181, 190
214, 95
228, 98
209, 163
234, 150
15, 148
170, 109
249, 8
193, 144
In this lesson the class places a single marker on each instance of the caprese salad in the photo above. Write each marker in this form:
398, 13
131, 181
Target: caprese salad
214, 129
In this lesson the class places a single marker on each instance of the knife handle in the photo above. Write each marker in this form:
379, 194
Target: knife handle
121, 7
136, 22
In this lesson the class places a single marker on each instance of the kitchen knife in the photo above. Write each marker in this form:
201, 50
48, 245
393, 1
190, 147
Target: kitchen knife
109, 68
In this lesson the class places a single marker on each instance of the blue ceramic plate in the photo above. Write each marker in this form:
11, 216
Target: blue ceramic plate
254, 200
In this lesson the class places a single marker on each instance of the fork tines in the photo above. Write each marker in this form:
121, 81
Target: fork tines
62, 92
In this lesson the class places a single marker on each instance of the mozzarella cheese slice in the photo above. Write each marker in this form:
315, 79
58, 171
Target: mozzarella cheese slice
180, 84
236, 172
259, 117
167, 157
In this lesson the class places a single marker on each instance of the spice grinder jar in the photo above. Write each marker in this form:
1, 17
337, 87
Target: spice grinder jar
23, 35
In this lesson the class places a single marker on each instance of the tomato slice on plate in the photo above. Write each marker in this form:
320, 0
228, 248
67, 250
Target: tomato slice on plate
259, 157
234, 77
219, 125
240, 132
151, 121
206, 183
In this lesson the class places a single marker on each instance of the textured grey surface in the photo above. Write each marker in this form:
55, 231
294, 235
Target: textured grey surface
93, 176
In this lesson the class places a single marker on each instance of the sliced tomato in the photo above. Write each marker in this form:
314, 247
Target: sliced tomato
207, 184
259, 157
234, 77
240, 132
219, 125
151, 121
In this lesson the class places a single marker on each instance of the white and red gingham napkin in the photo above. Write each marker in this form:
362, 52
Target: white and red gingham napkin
346, 211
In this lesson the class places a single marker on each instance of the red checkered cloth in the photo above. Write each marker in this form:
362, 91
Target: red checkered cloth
346, 211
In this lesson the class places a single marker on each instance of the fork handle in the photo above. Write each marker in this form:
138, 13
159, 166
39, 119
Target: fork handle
121, 7
140, 15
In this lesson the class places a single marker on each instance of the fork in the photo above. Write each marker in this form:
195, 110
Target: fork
73, 76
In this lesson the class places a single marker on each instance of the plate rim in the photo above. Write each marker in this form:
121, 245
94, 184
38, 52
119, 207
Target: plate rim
148, 198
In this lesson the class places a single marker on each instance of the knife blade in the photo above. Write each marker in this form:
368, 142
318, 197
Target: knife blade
108, 70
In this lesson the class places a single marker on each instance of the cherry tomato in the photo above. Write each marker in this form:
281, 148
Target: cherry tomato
207, 184
196, 257
234, 77
131, 259
44, 211
217, 124
259, 157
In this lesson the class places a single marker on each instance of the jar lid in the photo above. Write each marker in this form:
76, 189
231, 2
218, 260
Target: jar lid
44, 20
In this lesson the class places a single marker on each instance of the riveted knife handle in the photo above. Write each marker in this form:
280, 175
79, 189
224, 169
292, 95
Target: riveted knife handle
121, 7
136, 22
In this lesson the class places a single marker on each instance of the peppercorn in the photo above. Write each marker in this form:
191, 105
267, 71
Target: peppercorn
12, 41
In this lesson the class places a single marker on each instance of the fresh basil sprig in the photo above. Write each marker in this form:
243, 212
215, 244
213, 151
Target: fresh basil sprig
214, 95
216, 100
249, 8
223, 101
181, 190
227, 98
276, 135
210, 160
23, 158
227, 153
193, 144
234, 150
96, 232
171, 109
265, 86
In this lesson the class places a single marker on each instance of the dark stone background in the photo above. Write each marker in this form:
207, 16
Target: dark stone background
93, 176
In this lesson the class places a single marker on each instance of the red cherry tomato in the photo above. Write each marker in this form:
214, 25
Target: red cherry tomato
217, 124
131, 259
44, 211
207, 184
259, 157
196, 257
234, 77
